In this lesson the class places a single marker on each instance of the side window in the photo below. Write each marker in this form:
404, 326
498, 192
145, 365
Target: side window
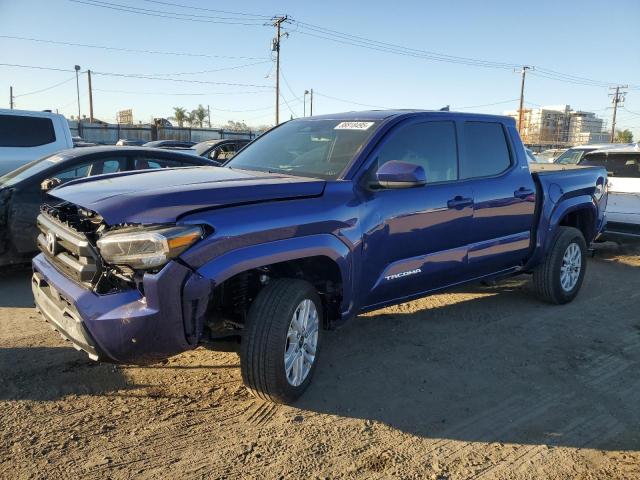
78, 171
25, 131
223, 152
431, 145
109, 165
142, 163
485, 150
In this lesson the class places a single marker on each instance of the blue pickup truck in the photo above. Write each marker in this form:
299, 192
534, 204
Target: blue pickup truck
317, 221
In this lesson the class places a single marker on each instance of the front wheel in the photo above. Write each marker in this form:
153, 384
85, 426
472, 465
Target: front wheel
560, 277
281, 339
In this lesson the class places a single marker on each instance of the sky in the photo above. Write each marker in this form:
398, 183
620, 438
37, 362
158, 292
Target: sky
585, 39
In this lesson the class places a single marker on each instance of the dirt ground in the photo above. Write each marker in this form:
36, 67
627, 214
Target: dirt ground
484, 382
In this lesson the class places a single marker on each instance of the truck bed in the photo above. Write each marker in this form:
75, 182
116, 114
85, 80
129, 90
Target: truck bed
542, 168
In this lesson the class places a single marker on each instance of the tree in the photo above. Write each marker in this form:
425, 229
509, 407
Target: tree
191, 118
179, 115
200, 114
236, 126
624, 136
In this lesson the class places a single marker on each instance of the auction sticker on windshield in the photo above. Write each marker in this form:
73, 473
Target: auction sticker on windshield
353, 126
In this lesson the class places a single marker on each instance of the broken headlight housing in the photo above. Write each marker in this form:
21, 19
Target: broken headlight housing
147, 248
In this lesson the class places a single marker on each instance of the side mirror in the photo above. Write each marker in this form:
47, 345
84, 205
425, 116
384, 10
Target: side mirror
50, 184
398, 174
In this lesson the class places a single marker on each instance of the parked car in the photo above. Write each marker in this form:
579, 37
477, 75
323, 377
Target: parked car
81, 142
169, 144
26, 136
220, 150
314, 222
127, 142
623, 206
551, 154
23, 190
531, 157
573, 155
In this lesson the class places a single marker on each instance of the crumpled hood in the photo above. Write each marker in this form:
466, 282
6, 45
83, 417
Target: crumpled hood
163, 195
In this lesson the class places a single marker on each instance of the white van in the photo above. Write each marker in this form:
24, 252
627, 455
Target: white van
623, 205
26, 136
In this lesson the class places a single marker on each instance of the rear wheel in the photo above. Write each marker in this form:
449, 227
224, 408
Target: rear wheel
280, 343
559, 278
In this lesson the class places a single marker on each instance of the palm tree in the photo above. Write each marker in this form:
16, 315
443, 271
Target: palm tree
191, 118
200, 114
179, 115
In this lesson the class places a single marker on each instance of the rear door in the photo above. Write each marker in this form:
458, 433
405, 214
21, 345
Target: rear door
504, 197
415, 239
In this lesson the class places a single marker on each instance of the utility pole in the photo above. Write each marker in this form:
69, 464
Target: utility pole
523, 71
617, 97
90, 98
304, 103
77, 67
209, 116
311, 107
11, 97
277, 22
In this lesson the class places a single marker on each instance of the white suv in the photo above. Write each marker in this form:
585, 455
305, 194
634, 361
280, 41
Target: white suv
623, 206
26, 136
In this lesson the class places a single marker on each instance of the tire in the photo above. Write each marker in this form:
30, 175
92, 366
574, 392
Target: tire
548, 278
267, 340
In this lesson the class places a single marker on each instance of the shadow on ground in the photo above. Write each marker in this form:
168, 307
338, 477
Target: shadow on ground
500, 368
51, 373
15, 288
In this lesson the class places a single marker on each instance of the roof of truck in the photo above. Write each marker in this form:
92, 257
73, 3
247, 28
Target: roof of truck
385, 114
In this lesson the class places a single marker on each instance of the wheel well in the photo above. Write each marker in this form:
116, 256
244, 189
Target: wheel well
583, 220
231, 299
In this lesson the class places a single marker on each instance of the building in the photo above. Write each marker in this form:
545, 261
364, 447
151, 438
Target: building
585, 127
558, 125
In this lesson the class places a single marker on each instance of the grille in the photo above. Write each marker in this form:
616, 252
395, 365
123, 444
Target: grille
68, 249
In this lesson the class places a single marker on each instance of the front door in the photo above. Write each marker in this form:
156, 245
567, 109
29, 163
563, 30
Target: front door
415, 239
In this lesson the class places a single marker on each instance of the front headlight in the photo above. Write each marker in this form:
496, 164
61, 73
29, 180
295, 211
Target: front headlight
147, 248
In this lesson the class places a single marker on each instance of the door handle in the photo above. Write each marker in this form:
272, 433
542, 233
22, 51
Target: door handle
459, 202
523, 192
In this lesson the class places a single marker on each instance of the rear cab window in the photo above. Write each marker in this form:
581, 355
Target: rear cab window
486, 152
617, 164
25, 131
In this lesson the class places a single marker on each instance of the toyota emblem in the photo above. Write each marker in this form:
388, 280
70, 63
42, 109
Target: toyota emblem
52, 243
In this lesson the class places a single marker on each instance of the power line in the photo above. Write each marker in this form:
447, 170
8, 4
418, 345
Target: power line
264, 17
138, 92
363, 42
181, 80
127, 50
140, 76
170, 15
47, 88
236, 67
329, 34
36, 67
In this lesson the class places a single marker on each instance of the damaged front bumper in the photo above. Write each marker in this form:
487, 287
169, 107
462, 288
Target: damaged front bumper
125, 327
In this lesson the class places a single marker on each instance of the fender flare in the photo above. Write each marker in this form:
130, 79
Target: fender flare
565, 207
326, 245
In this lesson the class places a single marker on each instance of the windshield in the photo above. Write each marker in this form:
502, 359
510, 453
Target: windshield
30, 169
202, 147
572, 156
617, 164
307, 148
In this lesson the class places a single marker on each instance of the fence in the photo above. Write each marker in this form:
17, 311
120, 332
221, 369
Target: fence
109, 134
